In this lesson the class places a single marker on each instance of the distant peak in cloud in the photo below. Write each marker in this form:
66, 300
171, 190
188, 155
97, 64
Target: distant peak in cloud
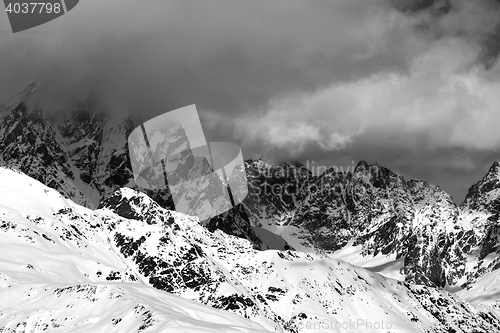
436, 7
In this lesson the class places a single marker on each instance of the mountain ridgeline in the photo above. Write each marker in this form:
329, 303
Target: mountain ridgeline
133, 266
84, 156
301, 251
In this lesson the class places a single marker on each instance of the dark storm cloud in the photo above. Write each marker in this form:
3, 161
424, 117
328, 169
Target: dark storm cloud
224, 56
405, 83
435, 7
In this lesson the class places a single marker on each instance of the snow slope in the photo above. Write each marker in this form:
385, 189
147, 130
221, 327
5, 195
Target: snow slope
105, 307
135, 266
58, 273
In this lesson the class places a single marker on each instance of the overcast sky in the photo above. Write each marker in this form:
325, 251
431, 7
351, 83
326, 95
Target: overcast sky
411, 84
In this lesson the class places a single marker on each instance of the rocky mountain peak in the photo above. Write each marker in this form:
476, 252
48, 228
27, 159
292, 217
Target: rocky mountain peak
129, 204
485, 194
361, 166
26, 95
492, 177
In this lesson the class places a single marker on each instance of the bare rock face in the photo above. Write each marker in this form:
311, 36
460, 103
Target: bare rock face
28, 142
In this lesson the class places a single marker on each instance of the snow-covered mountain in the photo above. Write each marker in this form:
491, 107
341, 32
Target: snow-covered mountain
372, 217
66, 268
27, 142
61, 272
347, 246
83, 153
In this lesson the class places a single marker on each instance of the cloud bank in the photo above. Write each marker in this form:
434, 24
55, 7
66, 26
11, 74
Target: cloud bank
412, 85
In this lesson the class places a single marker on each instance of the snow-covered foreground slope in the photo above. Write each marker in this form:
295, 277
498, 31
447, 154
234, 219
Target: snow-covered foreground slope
66, 267
485, 291
58, 273
102, 307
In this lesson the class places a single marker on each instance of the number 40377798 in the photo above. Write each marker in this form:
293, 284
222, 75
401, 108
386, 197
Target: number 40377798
33, 7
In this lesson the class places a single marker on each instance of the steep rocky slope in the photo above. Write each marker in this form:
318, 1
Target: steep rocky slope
376, 213
28, 142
